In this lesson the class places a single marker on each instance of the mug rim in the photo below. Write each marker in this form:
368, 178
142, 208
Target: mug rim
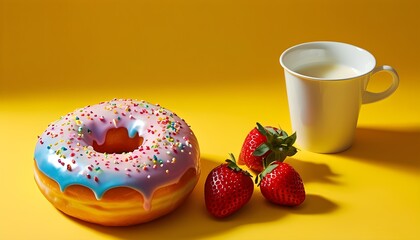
362, 73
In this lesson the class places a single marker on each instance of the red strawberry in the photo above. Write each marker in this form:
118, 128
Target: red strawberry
266, 144
281, 184
227, 189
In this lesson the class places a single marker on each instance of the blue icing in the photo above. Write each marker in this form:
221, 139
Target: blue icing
45, 161
136, 128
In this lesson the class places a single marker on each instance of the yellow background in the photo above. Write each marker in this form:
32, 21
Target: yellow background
215, 63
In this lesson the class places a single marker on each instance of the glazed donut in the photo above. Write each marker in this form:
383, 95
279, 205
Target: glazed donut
117, 163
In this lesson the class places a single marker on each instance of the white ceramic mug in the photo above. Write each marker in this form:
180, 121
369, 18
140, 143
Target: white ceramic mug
326, 86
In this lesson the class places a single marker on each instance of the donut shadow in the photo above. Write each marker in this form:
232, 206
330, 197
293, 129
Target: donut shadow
191, 220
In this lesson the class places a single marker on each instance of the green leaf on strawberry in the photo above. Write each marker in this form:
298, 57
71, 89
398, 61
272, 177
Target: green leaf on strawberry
266, 170
279, 145
264, 145
232, 165
261, 150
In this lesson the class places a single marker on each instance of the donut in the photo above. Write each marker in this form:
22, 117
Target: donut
117, 163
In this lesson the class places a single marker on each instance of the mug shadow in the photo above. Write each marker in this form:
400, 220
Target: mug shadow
396, 148
191, 220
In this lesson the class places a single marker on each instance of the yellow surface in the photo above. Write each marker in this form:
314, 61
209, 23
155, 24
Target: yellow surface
215, 63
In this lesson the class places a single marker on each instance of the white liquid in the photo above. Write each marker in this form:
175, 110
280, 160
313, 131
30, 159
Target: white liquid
327, 70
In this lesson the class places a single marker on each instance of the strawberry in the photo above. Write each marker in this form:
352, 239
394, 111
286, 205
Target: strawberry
227, 189
281, 184
266, 144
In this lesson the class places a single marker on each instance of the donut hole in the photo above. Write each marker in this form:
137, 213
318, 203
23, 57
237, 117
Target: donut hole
117, 141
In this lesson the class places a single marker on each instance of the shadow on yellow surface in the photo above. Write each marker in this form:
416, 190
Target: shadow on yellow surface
396, 148
191, 220
314, 172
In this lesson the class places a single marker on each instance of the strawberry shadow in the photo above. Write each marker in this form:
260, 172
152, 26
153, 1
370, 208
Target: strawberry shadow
314, 204
314, 172
192, 221
395, 148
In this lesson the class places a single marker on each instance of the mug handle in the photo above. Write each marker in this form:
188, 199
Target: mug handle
370, 97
